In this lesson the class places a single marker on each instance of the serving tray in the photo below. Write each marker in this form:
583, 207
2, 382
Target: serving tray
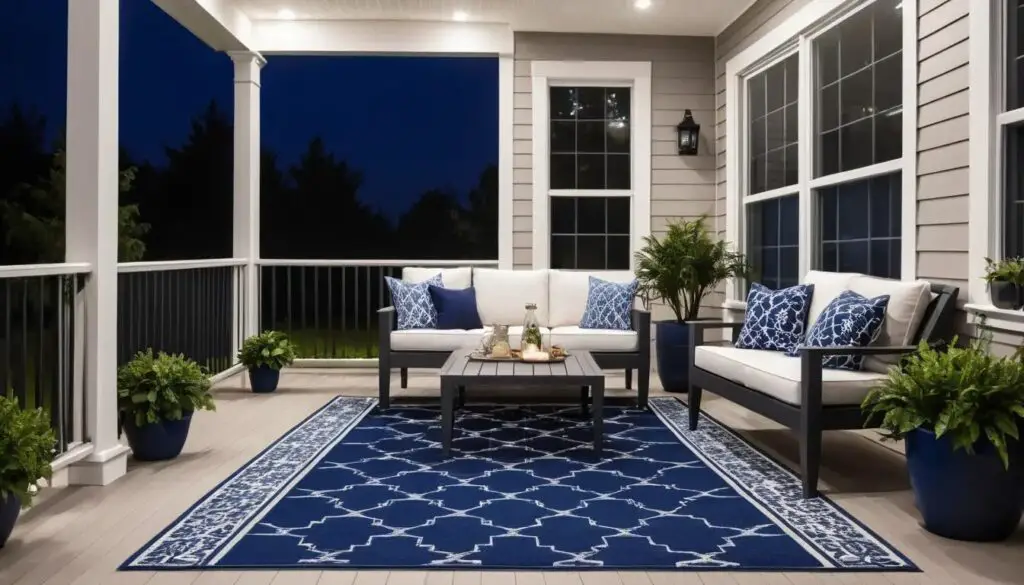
479, 356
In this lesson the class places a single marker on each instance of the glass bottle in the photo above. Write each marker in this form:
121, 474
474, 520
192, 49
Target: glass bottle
499, 342
531, 339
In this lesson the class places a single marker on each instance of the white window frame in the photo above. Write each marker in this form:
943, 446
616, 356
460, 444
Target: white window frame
637, 76
797, 34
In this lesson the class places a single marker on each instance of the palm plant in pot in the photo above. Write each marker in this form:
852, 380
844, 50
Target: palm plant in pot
26, 449
1005, 280
681, 269
156, 396
264, 354
958, 411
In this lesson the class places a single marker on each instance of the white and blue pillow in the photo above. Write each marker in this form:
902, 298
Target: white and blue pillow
609, 305
413, 305
776, 319
850, 320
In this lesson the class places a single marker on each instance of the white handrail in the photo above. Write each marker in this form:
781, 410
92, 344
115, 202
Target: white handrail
376, 263
28, 270
127, 267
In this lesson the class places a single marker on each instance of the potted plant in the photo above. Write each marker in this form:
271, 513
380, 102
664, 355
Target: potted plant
957, 409
1005, 280
264, 354
26, 449
681, 269
156, 396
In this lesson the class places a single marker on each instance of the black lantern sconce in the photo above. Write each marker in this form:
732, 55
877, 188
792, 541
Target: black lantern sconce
689, 133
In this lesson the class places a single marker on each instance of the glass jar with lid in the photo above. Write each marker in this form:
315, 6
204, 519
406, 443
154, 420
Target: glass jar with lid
531, 339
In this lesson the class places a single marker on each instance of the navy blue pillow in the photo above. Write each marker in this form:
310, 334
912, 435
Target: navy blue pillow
456, 307
850, 320
775, 319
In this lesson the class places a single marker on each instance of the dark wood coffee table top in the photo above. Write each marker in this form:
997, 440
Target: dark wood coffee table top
579, 368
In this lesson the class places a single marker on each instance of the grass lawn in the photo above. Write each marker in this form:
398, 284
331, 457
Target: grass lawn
334, 344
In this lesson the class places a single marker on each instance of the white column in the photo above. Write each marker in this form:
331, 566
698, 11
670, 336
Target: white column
91, 207
247, 185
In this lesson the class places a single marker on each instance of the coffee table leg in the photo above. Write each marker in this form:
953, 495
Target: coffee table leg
447, 417
462, 396
584, 395
597, 395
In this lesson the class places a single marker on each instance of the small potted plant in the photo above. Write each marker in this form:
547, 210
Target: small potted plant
26, 449
264, 354
681, 269
156, 396
958, 410
1005, 280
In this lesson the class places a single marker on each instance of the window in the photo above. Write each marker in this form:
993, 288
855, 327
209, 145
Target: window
1011, 127
837, 203
591, 140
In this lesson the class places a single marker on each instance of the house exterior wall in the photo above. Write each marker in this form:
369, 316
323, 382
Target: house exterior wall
682, 78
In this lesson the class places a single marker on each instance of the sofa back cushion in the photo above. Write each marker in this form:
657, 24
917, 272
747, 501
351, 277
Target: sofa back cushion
461, 277
569, 290
827, 286
908, 302
502, 295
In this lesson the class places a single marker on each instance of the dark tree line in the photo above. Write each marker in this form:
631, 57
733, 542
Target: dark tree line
183, 209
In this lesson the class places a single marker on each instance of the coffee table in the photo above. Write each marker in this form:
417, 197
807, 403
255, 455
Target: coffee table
579, 369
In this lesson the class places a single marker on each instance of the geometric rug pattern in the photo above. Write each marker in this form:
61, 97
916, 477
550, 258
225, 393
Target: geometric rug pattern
353, 487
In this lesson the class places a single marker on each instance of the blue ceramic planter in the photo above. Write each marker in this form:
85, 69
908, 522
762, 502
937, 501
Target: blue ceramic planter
672, 344
10, 507
158, 441
964, 496
264, 379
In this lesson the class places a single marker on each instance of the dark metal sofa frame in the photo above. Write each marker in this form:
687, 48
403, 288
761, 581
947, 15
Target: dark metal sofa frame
810, 418
639, 360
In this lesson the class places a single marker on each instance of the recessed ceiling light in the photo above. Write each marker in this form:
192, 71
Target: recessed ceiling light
460, 16
641, 4
285, 14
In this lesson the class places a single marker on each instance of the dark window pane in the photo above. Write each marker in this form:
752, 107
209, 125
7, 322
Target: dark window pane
617, 136
789, 266
895, 259
855, 42
853, 256
770, 264
888, 136
888, 27
828, 108
563, 171
789, 220
775, 129
1013, 193
880, 258
792, 79
889, 83
792, 120
590, 252
772, 237
775, 85
756, 96
591, 103
776, 167
792, 164
563, 103
563, 252
829, 211
618, 253
859, 225
619, 215
590, 171
829, 257
881, 212
769, 224
856, 145
758, 178
563, 137
758, 143
617, 104
827, 58
1014, 64
852, 218
591, 215
855, 100
828, 158
618, 172
563, 215
590, 137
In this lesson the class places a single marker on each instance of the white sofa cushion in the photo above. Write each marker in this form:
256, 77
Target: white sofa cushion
908, 301
827, 286
452, 339
502, 295
450, 277
775, 374
567, 298
572, 337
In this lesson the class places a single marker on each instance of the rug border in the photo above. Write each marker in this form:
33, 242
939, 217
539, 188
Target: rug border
911, 565
371, 403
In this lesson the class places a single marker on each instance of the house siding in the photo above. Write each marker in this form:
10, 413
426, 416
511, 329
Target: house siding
682, 78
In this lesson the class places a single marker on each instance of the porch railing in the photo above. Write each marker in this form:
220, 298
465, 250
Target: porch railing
329, 307
41, 314
190, 307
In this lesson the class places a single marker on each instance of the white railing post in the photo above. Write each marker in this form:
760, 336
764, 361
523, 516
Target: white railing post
247, 189
91, 225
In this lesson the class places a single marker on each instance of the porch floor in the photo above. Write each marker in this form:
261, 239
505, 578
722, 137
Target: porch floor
80, 535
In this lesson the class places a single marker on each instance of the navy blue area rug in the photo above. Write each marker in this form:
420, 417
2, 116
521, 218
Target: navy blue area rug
353, 487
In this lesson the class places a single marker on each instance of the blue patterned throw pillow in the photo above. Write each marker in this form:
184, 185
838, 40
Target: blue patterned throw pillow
609, 305
412, 302
850, 320
775, 319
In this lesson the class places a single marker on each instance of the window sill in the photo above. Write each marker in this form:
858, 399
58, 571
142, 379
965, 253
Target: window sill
996, 318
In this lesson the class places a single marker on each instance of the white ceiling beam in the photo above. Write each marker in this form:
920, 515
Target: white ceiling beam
218, 23
375, 37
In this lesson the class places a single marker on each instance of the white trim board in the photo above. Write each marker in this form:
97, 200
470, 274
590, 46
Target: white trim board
506, 143
636, 74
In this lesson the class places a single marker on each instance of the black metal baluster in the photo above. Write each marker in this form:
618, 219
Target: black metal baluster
303, 309
330, 315
344, 312
316, 312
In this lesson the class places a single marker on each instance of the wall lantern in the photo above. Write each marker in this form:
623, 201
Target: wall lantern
689, 132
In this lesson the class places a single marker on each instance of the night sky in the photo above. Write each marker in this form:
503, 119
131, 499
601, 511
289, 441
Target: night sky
410, 124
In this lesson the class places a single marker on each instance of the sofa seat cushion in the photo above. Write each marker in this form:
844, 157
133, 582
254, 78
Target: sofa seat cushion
452, 339
778, 375
573, 337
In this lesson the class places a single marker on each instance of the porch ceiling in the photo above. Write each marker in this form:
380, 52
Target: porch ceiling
663, 17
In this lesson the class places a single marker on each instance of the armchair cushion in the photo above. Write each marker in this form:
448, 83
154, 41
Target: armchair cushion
850, 320
827, 286
775, 319
413, 307
908, 303
609, 305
